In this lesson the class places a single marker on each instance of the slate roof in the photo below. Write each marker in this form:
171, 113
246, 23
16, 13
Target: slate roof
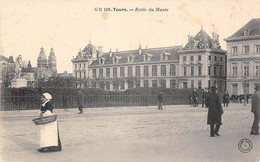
253, 25
155, 54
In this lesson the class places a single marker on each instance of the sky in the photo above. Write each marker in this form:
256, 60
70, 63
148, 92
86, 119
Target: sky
69, 25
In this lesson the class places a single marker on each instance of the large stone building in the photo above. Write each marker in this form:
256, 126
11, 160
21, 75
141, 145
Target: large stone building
243, 58
201, 63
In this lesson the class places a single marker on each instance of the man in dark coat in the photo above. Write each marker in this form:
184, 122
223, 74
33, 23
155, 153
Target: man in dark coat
80, 97
226, 99
195, 97
204, 97
256, 111
214, 113
160, 101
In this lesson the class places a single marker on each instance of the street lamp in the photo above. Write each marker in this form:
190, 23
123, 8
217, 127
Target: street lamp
245, 85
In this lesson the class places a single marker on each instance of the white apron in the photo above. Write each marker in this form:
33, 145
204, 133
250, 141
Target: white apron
49, 133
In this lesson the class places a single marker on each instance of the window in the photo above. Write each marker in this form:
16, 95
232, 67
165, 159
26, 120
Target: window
191, 70
184, 71
234, 69
209, 68
154, 70
245, 49
146, 84
137, 84
114, 72
154, 83
209, 58
84, 66
163, 70
234, 50
184, 58
79, 66
257, 70
122, 72
246, 69
80, 75
146, 71
191, 58
100, 73
163, 83
220, 71
107, 72
107, 85
199, 84
215, 58
199, 58
221, 59
215, 71
185, 85
130, 71
172, 83
234, 88
84, 75
75, 66
94, 73
199, 70
137, 71
122, 85
115, 86
257, 48
192, 84
209, 83
172, 70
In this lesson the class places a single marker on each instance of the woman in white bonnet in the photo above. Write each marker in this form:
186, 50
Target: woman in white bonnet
49, 134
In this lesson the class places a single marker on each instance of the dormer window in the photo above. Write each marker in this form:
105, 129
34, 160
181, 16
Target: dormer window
246, 32
164, 56
101, 60
116, 59
147, 57
130, 58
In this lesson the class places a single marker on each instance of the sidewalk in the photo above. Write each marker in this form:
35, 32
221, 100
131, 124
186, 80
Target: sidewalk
178, 133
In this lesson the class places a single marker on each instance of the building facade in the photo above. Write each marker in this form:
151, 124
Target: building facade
201, 63
243, 59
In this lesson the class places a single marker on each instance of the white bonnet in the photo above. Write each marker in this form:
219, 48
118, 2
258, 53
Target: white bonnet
47, 96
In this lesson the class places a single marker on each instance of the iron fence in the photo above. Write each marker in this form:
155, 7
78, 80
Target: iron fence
29, 102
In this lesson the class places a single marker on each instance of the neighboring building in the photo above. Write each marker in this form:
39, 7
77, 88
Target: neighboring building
201, 63
243, 58
65, 74
46, 68
7, 69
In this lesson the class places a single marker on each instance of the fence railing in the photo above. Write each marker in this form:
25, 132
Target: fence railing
70, 101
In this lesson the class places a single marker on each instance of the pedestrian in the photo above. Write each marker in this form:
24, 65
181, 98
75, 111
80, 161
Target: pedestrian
214, 112
195, 97
49, 133
80, 97
256, 111
160, 101
226, 99
204, 97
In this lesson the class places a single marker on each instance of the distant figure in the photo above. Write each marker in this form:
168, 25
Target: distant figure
18, 66
160, 101
50, 139
256, 111
204, 97
80, 97
195, 97
214, 113
226, 99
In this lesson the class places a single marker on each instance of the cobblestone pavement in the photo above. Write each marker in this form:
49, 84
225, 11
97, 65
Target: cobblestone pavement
177, 133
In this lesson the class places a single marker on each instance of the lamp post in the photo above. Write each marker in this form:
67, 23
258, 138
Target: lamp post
244, 83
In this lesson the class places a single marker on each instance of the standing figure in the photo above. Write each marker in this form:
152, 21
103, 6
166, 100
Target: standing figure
80, 97
226, 99
204, 97
256, 111
49, 134
160, 101
18, 66
195, 97
214, 113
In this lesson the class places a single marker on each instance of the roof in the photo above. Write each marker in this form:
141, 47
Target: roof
154, 53
3, 58
202, 41
253, 25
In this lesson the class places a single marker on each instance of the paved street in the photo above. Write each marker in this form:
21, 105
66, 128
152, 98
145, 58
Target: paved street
178, 133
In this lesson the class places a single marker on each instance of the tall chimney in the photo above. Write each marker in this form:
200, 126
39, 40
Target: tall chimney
110, 52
